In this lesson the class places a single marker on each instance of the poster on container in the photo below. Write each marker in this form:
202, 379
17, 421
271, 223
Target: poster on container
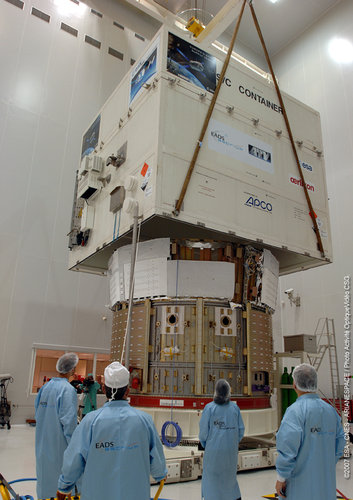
145, 69
243, 147
191, 63
90, 139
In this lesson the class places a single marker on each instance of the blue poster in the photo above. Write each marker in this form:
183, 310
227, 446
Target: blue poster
90, 139
144, 70
191, 63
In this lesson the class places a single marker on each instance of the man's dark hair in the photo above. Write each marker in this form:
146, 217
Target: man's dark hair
118, 394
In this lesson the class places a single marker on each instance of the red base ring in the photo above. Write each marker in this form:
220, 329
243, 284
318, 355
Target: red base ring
194, 403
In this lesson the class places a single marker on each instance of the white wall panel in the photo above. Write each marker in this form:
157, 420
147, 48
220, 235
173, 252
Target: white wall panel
38, 228
16, 159
90, 329
28, 302
33, 58
59, 316
11, 36
60, 77
3, 118
136, 45
114, 68
9, 244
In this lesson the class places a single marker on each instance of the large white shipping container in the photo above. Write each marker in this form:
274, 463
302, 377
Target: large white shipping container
245, 186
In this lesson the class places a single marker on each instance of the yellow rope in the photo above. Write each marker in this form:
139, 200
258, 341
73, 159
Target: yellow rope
5, 493
159, 490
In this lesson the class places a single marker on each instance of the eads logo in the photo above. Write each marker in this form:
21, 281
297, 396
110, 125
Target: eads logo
259, 204
106, 444
299, 182
218, 135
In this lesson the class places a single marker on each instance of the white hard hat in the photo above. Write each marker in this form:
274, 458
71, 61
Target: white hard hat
116, 375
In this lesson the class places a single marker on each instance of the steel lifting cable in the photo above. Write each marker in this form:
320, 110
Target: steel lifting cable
279, 95
180, 200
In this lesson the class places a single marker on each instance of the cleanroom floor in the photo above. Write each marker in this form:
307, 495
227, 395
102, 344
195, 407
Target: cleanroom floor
17, 462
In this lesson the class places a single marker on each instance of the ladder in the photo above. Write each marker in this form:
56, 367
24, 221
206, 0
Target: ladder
326, 342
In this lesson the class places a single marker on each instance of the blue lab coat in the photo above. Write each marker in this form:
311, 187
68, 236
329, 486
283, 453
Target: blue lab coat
221, 430
310, 442
116, 448
56, 420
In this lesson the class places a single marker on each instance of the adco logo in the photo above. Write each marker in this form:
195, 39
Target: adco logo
259, 204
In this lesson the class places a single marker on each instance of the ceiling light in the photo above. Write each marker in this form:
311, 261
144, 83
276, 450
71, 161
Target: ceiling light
69, 8
341, 50
242, 60
273, 1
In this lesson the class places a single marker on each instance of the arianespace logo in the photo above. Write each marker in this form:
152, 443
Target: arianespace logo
259, 153
223, 138
262, 205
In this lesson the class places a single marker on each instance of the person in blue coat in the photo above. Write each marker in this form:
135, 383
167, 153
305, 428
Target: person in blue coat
115, 449
56, 420
221, 430
310, 442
